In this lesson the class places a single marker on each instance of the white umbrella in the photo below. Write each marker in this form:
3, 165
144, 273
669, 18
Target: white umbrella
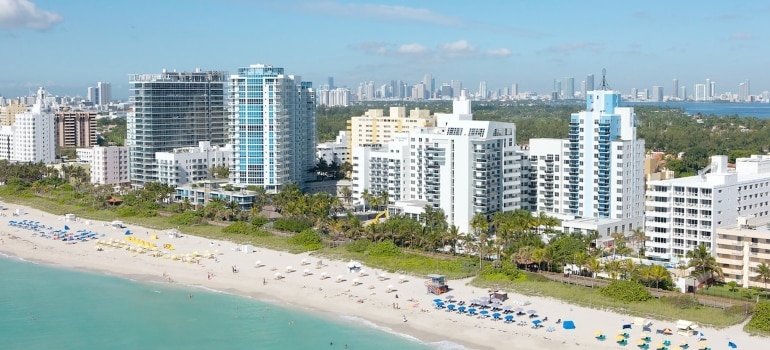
288, 268
339, 278
323, 273
306, 271
277, 274
258, 263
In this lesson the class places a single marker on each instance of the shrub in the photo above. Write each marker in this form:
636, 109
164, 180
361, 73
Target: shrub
501, 272
259, 220
760, 320
187, 218
291, 225
385, 248
307, 239
135, 211
626, 291
244, 228
359, 246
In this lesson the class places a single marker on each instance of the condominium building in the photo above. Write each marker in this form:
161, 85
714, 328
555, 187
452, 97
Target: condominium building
8, 112
597, 174
273, 128
684, 213
203, 192
461, 166
334, 97
75, 128
189, 164
334, 151
31, 138
173, 110
109, 165
741, 247
373, 128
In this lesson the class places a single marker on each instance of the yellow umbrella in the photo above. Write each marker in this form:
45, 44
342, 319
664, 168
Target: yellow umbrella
641, 342
619, 337
598, 333
702, 345
677, 348
643, 335
660, 346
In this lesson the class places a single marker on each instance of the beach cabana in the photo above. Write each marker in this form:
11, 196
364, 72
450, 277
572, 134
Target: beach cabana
684, 327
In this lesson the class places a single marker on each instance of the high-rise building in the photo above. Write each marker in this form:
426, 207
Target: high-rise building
598, 170
700, 92
675, 89
589, 83
583, 88
105, 93
744, 91
457, 87
657, 93
173, 110
31, 139
462, 166
683, 92
557, 87
8, 112
684, 213
273, 128
75, 128
330, 82
708, 90
569, 88
429, 84
712, 90
109, 165
92, 95
483, 94
514, 90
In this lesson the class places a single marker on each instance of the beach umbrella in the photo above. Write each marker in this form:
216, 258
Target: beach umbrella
677, 348
598, 333
289, 268
732, 345
496, 315
390, 286
449, 297
643, 335
305, 271
509, 318
620, 338
702, 345
531, 312
461, 309
641, 342
66, 227
537, 322
277, 274
472, 310
436, 300
507, 307
484, 312
355, 281
519, 309
402, 278
683, 342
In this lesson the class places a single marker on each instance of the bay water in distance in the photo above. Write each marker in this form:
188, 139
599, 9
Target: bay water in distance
43, 307
758, 110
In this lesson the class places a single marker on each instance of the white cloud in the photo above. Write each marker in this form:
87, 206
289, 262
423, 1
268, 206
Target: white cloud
413, 48
499, 52
379, 12
576, 46
458, 46
24, 14
742, 36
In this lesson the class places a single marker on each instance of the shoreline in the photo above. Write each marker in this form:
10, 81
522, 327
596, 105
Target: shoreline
302, 288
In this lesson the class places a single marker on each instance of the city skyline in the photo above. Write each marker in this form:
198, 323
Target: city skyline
529, 44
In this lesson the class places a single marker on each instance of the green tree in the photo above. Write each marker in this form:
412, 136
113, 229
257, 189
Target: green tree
704, 264
763, 272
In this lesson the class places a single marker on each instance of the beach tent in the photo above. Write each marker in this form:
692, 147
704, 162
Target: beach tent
732, 345
568, 325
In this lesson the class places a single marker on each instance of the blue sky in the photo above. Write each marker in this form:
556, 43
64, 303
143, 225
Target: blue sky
69, 45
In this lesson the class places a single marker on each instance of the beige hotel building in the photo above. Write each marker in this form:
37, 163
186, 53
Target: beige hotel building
375, 129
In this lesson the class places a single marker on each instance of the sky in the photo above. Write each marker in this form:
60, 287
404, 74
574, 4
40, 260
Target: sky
69, 45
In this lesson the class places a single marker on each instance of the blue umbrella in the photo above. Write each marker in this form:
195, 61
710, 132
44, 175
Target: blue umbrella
509, 318
496, 315
531, 312
484, 312
461, 309
536, 322
732, 345
66, 227
436, 300
450, 307
472, 310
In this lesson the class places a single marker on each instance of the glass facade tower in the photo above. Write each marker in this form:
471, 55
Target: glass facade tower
272, 128
173, 110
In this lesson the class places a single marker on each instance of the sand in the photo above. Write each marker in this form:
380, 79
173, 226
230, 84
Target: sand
301, 286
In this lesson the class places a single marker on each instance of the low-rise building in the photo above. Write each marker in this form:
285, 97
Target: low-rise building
109, 165
741, 247
202, 192
336, 151
190, 164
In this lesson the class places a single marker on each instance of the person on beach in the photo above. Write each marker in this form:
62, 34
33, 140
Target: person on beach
404, 318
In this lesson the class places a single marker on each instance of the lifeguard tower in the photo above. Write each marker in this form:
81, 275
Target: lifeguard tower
436, 284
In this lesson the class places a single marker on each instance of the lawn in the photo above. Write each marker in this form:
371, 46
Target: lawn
590, 297
746, 294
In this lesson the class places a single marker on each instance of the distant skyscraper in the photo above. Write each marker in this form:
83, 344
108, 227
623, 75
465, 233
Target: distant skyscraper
173, 110
457, 87
657, 93
514, 90
428, 81
274, 128
557, 87
92, 95
683, 92
105, 93
634, 93
744, 91
569, 88
483, 90
583, 88
700, 92
712, 90
330, 82
675, 88
589, 83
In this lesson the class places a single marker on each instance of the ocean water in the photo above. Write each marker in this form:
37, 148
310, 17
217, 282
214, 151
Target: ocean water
758, 110
43, 307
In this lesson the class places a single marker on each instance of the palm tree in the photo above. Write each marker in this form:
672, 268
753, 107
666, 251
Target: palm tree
613, 268
591, 238
594, 266
704, 264
366, 197
763, 271
640, 238
346, 193
453, 235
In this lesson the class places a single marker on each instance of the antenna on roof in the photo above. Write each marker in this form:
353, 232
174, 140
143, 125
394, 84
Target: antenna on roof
604, 85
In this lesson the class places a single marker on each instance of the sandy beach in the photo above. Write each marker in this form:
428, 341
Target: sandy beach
406, 308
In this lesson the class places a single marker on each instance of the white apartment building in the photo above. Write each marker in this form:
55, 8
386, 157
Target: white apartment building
32, 138
84, 155
462, 166
109, 165
374, 129
190, 164
596, 176
334, 151
684, 213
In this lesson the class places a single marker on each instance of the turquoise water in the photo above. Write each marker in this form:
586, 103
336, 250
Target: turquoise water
49, 308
